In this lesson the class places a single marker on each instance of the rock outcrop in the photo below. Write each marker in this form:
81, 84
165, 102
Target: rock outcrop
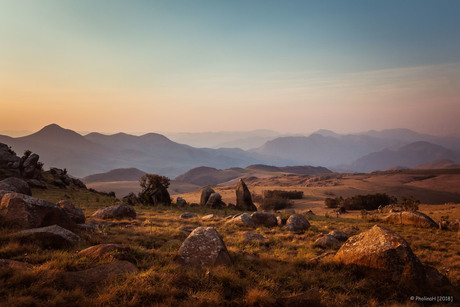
30, 212
244, 219
243, 197
297, 223
188, 215
120, 211
203, 248
410, 218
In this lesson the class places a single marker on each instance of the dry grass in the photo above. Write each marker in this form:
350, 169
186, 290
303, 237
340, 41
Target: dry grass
261, 272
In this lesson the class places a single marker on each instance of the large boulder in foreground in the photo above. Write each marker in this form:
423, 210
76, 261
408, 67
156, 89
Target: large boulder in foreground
203, 248
264, 219
410, 218
205, 193
383, 253
297, 223
120, 211
75, 214
93, 278
51, 236
17, 185
30, 212
243, 197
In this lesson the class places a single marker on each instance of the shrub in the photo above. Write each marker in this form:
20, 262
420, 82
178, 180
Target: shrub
358, 202
409, 203
274, 203
283, 194
154, 190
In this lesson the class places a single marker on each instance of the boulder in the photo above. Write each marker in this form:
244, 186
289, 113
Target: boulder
264, 219
75, 214
410, 218
180, 202
30, 166
30, 212
188, 215
327, 241
339, 235
210, 217
51, 236
203, 248
384, 253
93, 278
205, 193
120, 211
17, 185
130, 199
250, 237
243, 220
102, 250
297, 223
215, 201
243, 197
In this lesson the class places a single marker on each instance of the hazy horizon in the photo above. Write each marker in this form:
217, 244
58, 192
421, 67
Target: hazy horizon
206, 66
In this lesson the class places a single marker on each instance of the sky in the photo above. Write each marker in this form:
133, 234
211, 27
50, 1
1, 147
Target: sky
193, 66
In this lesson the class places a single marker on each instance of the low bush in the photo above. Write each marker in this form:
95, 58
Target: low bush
274, 203
283, 194
359, 202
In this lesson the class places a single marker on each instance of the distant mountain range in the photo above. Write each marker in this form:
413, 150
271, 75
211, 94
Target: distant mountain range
155, 153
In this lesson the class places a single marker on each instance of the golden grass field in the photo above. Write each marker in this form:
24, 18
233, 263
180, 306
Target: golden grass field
262, 274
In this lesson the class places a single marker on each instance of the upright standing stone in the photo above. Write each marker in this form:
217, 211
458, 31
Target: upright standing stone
205, 193
243, 197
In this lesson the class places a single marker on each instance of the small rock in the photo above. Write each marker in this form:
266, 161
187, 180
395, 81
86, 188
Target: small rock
50, 236
339, 235
180, 202
327, 241
243, 220
250, 237
210, 217
188, 215
297, 223
131, 199
120, 211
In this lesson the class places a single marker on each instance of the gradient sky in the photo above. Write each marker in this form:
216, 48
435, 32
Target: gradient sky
290, 66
